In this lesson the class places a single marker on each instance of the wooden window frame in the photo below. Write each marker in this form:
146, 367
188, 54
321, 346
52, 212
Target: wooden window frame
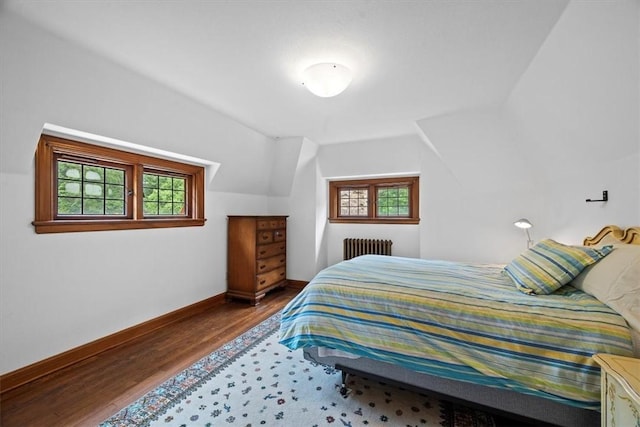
50, 148
413, 182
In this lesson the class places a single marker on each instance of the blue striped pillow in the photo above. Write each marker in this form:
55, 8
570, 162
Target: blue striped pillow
549, 265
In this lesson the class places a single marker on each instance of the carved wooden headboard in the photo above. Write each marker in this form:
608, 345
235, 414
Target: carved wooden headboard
615, 234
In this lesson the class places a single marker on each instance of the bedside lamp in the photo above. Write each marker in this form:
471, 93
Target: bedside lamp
525, 224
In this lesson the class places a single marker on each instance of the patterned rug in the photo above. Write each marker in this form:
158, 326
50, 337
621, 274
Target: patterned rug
254, 381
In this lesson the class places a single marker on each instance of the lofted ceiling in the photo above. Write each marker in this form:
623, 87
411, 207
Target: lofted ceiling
411, 59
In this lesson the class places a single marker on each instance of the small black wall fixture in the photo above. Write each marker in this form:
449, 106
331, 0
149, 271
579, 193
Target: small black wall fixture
605, 197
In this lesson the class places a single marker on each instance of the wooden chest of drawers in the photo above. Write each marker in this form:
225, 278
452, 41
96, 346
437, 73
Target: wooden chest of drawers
256, 256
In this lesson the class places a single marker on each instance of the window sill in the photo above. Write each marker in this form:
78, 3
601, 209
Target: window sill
43, 227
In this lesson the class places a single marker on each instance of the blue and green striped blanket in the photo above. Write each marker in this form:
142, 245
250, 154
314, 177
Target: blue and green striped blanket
460, 321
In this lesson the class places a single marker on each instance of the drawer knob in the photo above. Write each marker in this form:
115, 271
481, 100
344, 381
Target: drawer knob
262, 282
282, 274
263, 252
262, 267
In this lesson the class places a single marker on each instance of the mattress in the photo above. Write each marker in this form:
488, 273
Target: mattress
465, 322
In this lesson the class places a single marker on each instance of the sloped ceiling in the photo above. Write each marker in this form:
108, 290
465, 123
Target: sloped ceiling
411, 60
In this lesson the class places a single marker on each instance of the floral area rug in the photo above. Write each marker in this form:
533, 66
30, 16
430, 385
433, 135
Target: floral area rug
255, 381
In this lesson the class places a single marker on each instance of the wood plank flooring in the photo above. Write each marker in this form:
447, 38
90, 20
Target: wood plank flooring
89, 392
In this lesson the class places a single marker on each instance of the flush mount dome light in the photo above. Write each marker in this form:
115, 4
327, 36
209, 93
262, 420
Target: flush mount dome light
326, 79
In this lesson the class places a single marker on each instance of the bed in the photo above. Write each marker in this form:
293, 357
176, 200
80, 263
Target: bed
480, 333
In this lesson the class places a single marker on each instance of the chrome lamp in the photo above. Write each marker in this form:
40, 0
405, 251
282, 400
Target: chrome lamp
525, 224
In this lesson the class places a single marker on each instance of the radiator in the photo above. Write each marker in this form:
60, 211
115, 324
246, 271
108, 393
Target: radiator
357, 247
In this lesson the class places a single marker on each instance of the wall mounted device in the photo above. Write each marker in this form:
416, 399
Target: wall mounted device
605, 197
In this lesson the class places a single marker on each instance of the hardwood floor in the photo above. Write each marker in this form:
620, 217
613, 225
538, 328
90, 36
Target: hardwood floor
90, 391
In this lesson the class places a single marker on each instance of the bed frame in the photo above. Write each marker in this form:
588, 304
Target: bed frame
543, 412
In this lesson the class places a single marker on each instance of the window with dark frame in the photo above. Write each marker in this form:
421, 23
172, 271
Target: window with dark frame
86, 187
89, 189
377, 200
164, 194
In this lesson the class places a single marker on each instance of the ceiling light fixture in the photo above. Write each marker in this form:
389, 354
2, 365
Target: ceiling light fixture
326, 79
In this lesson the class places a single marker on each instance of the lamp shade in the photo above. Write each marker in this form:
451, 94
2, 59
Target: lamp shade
523, 223
326, 79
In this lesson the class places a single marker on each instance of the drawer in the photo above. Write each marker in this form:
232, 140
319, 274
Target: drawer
268, 264
270, 278
272, 249
279, 235
263, 224
278, 223
270, 223
621, 409
264, 237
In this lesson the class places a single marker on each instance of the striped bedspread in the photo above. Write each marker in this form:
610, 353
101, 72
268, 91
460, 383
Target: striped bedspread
460, 321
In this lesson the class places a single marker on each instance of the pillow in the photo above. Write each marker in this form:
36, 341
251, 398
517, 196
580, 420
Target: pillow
616, 282
549, 265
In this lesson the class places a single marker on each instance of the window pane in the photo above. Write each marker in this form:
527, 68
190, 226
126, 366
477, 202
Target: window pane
115, 176
84, 189
165, 182
354, 202
70, 171
164, 195
68, 188
179, 209
166, 208
93, 207
178, 184
93, 190
150, 208
393, 201
93, 173
149, 180
150, 194
114, 207
178, 197
69, 206
115, 192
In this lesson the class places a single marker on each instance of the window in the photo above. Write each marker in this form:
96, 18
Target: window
385, 200
85, 187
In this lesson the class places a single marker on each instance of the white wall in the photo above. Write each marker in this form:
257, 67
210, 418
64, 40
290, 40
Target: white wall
576, 113
481, 184
59, 291
569, 130
45, 79
399, 155
304, 256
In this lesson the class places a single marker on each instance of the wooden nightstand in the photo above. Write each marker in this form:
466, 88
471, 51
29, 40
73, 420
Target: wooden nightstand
620, 390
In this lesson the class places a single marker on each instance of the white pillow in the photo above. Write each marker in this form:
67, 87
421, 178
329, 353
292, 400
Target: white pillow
615, 280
